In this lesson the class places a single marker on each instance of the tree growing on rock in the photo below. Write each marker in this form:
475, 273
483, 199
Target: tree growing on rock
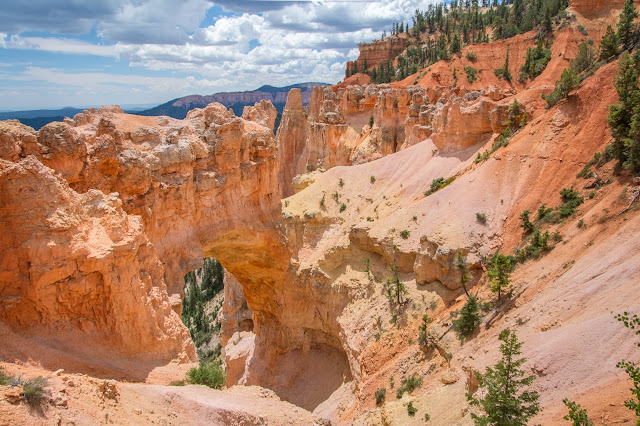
395, 287
423, 335
505, 398
461, 266
527, 225
500, 267
469, 317
627, 32
609, 44
577, 415
624, 117
568, 82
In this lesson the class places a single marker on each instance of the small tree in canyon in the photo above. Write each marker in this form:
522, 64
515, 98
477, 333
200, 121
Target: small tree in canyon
500, 267
395, 287
461, 265
632, 322
505, 399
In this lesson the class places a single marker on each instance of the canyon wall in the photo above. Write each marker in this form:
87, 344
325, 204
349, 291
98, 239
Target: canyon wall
78, 271
335, 131
377, 52
595, 8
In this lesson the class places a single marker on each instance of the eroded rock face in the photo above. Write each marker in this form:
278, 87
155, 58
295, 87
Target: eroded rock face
375, 53
180, 190
293, 136
236, 315
336, 131
75, 267
462, 123
106, 265
594, 8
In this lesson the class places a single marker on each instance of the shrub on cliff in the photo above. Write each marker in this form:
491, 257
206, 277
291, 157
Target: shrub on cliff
472, 73
209, 374
568, 82
5, 379
409, 385
34, 390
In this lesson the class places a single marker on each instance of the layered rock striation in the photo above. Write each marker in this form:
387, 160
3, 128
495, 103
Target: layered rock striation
377, 52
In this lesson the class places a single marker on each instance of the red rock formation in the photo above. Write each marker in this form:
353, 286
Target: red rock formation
175, 189
594, 8
236, 315
377, 52
336, 131
77, 271
292, 137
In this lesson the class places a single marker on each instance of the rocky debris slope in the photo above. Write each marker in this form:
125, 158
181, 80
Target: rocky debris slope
82, 400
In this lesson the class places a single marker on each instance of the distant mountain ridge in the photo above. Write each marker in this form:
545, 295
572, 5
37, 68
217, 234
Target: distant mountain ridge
178, 108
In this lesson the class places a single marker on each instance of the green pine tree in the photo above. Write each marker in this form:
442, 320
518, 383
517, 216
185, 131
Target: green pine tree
632, 322
395, 287
469, 317
547, 25
499, 271
506, 399
626, 27
621, 115
456, 44
423, 335
568, 82
609, 44
527, 225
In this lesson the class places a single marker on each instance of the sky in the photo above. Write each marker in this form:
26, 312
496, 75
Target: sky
81, 53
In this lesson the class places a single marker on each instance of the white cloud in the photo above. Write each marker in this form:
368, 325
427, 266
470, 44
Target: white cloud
296, 41
60, 45
93, 80
153, 21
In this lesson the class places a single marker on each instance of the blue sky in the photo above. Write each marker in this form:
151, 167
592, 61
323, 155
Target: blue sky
56, 53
